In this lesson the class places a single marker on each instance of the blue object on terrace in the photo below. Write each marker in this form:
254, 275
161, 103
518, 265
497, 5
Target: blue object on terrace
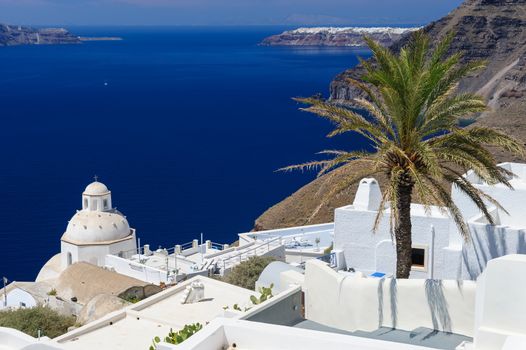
377, 275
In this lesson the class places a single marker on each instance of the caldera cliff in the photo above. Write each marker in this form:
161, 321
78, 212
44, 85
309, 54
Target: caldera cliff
492, 30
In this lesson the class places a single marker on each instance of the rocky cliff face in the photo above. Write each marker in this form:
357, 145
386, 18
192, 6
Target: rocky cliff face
492, 30
334, 36
18, 35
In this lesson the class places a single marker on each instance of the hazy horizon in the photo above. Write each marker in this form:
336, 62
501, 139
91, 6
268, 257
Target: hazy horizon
222, 13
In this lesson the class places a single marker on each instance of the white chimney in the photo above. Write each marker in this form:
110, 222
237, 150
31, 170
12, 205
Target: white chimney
368, 196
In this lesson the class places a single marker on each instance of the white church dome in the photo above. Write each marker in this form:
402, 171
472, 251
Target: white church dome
96, 189
96, 227
98, 221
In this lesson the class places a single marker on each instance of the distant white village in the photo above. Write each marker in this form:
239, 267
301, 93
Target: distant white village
332, 284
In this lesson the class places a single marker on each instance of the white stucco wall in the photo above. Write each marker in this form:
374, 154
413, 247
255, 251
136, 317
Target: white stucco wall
501, 306
17, 298
94, 254
357, 303
370, 252
135, 270
449, 256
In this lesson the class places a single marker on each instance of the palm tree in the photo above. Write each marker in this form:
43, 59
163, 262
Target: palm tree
412, 107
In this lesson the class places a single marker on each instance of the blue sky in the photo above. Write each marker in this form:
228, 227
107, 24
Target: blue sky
222, 12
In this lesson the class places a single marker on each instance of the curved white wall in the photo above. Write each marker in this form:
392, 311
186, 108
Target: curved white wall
357, 303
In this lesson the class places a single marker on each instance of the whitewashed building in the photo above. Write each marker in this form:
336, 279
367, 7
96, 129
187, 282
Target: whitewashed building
98, 229
439, 251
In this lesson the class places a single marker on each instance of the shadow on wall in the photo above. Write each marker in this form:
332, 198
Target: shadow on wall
393, 302
436, 301
490, 242
367, 304
438, 305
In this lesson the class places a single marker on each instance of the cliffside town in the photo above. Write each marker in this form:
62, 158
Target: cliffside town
331, 36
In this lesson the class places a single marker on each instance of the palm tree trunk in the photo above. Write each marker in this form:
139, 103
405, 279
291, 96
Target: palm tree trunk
402, 231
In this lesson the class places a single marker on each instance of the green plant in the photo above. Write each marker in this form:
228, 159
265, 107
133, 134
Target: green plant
131, 298
329, 249
247, 272
31, 320
412, 108
265, 293
52, 292
178, 337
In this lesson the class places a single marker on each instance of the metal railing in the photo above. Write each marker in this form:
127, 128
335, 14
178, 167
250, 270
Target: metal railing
216, 246
187, 245
260, 249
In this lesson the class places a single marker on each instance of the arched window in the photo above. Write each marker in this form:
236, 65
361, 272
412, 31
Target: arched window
85, 206
105, 204
70, 259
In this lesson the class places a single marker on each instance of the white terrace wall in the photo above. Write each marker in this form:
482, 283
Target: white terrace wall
18, 298
135, 270
247, 237
357, 303
501, 306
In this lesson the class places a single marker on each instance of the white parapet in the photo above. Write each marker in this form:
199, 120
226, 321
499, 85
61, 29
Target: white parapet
501, 306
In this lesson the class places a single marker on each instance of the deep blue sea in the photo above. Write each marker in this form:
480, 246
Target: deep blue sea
186, 126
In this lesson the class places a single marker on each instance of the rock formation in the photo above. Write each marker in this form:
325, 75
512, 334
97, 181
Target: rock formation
19, 35
492, 30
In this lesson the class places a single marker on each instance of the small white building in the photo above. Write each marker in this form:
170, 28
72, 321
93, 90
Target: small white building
98, 229
439, 251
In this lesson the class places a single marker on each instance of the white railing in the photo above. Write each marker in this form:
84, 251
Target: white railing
258, 250
309, 230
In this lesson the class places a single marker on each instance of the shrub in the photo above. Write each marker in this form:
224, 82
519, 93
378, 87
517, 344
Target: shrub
52, 292
266, 293
48, 321
328, 250
131, 298
178, 337
247, 272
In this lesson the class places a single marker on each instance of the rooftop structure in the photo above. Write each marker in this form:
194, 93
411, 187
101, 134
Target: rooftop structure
136, 326
439, 251
353, 312
75, 288
190, 259
496, 320
96, 230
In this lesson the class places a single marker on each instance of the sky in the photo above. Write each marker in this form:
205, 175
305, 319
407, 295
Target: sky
223, 12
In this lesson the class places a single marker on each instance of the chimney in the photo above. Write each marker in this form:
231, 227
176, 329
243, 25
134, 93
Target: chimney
368, 196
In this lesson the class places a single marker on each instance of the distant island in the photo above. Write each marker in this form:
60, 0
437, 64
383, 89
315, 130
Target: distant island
336, 36
22, 35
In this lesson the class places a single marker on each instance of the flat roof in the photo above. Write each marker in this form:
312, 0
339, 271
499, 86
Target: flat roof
421, 336
135, 326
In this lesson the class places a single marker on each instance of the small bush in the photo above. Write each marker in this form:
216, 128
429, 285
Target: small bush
178, 337
246, 273
29, 321
52, 292
131, 298
328, 250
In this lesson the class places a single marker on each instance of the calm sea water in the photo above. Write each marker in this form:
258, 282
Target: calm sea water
186, 126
